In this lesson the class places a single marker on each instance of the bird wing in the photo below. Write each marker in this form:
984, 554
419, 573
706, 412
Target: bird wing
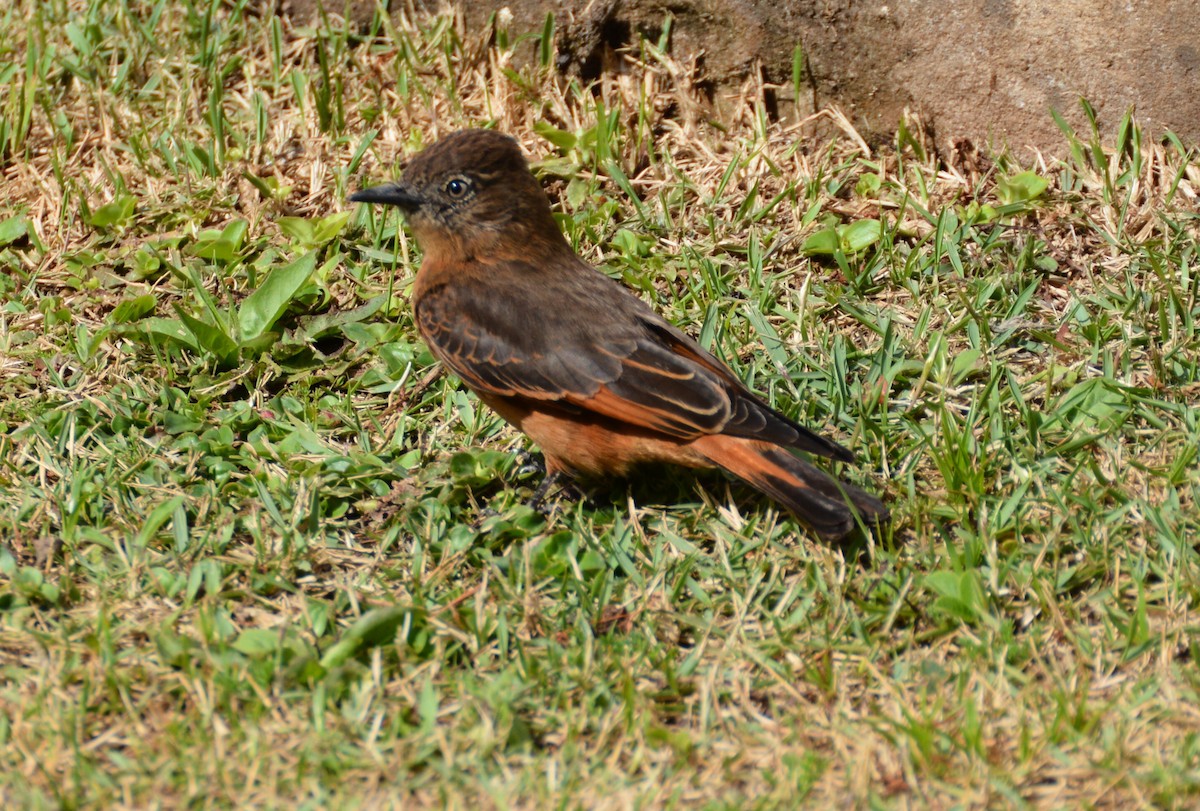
600, 350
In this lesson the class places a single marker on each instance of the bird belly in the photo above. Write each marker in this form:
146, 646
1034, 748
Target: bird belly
584, 444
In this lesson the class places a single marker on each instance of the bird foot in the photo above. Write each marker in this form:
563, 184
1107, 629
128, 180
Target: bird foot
566, 489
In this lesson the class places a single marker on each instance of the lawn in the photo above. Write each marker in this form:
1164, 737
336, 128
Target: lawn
255, 550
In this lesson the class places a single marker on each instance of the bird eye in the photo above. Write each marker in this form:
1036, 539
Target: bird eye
457, 187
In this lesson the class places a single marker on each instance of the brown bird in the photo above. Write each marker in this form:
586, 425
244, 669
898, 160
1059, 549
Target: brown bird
574, 360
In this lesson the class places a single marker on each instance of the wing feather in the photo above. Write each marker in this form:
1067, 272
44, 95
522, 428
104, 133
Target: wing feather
601, 350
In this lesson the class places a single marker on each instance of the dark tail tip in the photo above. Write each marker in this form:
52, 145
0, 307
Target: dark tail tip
832, 508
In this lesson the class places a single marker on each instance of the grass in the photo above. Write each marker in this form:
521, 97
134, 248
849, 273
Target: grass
256, 552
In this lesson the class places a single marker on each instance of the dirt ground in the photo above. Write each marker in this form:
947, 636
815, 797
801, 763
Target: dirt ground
983, 71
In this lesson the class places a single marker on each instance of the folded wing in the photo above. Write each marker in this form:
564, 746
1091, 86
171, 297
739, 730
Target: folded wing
603, 351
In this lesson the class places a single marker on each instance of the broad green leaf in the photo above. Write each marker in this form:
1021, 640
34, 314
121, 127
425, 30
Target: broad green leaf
965, 362
222, 245
327, 228
313, 233
630, 244
1093, 404
427, 706
376, 627
132, 309
262, 308
1021, 188
257, 642
158, 516
976, 212
298, 229
177, 423
860, 235
577, 192
822, 243
13, 229
170, 328
560, 138
116, 213
868, 184
145, 265
8, 564
319, 325
210, 338
959, 595
269, 187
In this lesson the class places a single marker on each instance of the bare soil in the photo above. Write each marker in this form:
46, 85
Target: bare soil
979, 71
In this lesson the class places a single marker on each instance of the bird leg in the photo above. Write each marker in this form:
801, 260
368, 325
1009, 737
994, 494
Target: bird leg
554, 479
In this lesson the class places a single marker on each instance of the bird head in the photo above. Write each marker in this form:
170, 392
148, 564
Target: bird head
470, 195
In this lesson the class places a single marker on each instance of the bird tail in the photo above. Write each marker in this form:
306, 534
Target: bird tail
832, 508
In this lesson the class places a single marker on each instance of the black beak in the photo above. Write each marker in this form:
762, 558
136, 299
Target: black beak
389, 194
